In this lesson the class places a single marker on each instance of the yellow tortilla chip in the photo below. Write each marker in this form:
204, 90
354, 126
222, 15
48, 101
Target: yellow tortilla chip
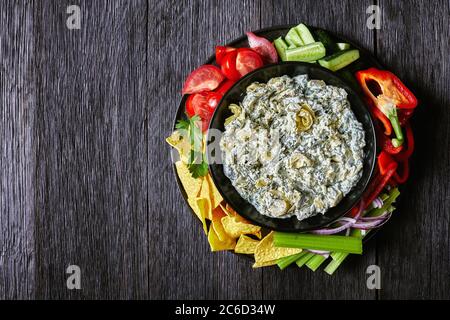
236, 228
266, 251
193, 204
206, 194
264, 264
216, 244
204, 207
191, 185
230, 211
217, 215
216, 197
246, 245
181, 144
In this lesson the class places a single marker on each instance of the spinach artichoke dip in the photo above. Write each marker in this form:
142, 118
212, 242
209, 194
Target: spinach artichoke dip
293, 147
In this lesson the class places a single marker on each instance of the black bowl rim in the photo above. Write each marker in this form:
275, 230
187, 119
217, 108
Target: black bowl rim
372, 160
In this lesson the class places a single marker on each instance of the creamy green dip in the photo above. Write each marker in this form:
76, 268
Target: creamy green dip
285, 165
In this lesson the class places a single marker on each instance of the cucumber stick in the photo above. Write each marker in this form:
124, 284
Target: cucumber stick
343, 46
293, 39
305, 35
339, 60
310, 52
327, 41
281, 47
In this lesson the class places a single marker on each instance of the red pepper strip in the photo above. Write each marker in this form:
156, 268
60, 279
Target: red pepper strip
389, 85
384, 162
378, 184
387, 146
403, 177
406, 153
384, 120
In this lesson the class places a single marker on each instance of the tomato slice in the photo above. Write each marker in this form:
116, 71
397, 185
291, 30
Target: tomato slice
247, 60
221, 52
190, 105
225, 86
203, 104
229, 66
204, 78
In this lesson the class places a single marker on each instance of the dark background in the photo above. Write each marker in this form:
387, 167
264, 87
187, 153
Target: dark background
86, 176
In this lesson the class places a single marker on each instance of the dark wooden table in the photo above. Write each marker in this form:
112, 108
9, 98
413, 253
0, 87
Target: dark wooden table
86, 177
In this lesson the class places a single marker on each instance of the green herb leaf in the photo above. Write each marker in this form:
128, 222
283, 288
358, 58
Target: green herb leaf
196, 164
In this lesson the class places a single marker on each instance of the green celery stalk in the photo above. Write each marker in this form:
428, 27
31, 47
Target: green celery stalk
283, 263
335, 262
339, 257
315, 262
318, 242
304, 259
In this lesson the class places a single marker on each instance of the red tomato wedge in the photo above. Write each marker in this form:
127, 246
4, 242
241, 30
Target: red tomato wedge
262, 46
247, 60
204, 78
221, 52
203, 104
225, 86
229, 66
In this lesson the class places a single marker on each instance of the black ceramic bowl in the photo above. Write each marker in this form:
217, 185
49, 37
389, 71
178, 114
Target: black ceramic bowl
236, 95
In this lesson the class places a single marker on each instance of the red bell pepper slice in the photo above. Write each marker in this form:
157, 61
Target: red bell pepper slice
406, 153
383, 119
378, 183
404, 175
385, 162
388, 85
387, 146
388, 94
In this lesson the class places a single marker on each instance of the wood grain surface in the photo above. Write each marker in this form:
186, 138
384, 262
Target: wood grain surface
86, 176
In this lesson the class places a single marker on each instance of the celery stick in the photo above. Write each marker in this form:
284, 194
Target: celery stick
283, 263
335, 263
315, 262
304, 259
318, 242
386, 205
339, 257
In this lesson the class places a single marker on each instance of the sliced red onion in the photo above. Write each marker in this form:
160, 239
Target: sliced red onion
371, 224
333, 230
347, 232
346, 219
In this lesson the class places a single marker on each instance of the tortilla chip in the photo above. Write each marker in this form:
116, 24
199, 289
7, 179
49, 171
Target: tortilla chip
236, 228
217, 215
204, 207
230, 211
182, 145
206, 194
246, 245
216, 244
216, 197
266, 251
191, 185
264, 264
193, 204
